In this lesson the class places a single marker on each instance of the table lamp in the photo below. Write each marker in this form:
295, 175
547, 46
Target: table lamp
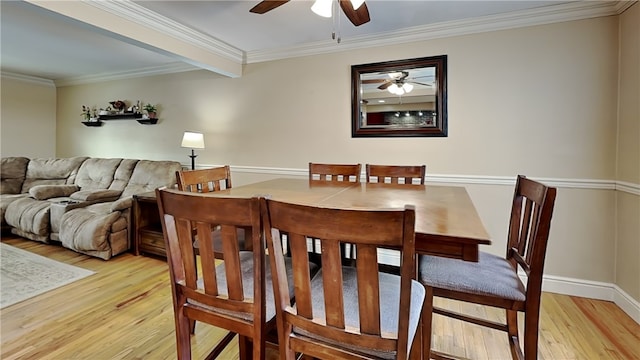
193, 140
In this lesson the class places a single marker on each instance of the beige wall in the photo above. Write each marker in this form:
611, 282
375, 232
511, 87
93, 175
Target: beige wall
628, 155
538, 101
27, 118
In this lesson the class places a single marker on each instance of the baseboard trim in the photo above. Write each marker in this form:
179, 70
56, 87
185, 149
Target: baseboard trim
593, 290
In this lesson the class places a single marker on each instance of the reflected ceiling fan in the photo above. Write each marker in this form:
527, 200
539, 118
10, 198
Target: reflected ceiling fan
355, 10
398, 83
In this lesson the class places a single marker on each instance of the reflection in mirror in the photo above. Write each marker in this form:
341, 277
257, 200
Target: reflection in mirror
400, 98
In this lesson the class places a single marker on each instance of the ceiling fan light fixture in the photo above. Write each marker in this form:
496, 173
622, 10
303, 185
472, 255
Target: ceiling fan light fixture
322, 8
407, 87
393, 88
356, 3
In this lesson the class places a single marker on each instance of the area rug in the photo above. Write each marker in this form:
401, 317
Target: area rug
24, 275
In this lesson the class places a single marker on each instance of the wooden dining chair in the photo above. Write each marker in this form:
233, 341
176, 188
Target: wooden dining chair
395, 174
344, 312
204, 181
493, 280
236, 294
335, 172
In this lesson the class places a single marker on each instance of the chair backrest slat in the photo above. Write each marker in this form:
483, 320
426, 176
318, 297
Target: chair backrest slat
335, 172
369, 307
207, 259
298, 251
332, 283
396, 174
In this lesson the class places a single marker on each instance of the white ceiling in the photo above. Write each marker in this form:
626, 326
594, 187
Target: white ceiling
45, 44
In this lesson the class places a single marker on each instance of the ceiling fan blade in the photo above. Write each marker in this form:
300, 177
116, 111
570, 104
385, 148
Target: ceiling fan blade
419, 83
357, 17
267, 5
373, 81
385, 85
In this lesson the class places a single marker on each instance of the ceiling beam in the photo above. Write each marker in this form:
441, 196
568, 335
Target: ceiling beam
131, 23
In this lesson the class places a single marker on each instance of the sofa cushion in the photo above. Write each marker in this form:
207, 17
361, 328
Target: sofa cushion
12, 172
7, 199
85, 231
123, 174
51, 172
91, 195
44, 192
29, 215
149, 175
97, 173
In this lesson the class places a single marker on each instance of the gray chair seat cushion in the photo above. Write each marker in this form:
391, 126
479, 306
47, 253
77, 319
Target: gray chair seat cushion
246, 263
217, 240
389, 308
491, 275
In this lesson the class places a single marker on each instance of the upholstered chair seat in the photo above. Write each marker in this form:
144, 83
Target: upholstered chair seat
389, 305
246, 263
490, 276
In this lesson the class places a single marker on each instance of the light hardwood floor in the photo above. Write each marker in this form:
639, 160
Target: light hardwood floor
124, 312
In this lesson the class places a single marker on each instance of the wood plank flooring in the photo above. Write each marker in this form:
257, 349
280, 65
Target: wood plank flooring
124, 312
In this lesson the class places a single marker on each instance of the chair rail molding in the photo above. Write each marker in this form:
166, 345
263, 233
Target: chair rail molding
551, 283
590, 184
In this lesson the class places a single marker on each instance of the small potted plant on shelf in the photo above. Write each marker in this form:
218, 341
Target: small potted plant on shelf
87, 113
151, 111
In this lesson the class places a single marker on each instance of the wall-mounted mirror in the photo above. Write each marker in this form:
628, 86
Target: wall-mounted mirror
400, 98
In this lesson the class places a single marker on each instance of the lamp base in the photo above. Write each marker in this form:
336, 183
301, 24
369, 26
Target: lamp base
193, 159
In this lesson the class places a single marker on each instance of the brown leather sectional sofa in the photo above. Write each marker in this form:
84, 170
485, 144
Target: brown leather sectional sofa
83, 203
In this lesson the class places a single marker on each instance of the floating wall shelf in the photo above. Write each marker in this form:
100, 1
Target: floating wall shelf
148, 121
93, 123
121, 116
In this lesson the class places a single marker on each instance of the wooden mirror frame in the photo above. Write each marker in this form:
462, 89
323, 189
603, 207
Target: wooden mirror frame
440, 127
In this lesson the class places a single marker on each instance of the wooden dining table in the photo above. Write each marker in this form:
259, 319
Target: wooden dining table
447, 223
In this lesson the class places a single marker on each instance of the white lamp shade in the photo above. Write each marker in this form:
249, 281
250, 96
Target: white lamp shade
193, 140
322, 8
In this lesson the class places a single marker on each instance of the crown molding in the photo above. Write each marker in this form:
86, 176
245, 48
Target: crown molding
129, 10
544, 15
148, 71
622, 6
28, 78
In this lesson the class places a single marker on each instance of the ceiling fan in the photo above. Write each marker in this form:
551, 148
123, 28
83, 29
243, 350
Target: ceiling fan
398, 82
355, 10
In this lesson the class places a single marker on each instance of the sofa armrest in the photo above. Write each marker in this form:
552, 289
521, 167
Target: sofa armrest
122, 204
43, 192
102, 195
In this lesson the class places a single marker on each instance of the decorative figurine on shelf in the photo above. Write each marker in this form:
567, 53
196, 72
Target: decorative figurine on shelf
118, 105
135, 109
151, 111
